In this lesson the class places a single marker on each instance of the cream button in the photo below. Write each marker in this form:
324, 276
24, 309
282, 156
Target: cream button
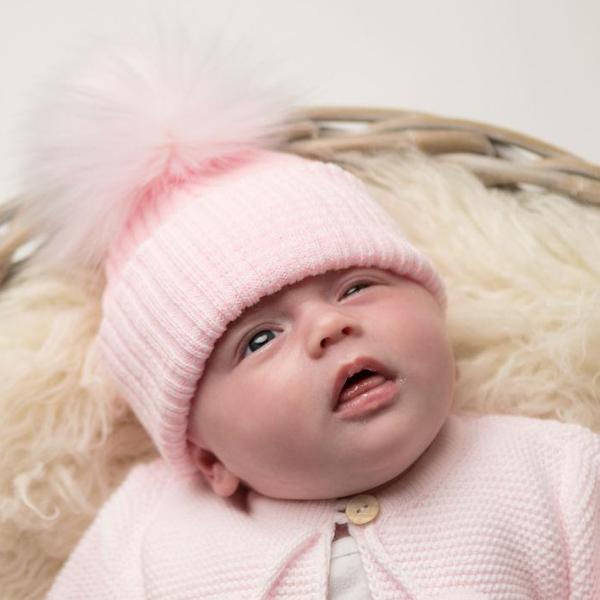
362, 509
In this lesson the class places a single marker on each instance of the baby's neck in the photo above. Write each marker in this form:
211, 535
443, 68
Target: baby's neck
378, 489
383, 486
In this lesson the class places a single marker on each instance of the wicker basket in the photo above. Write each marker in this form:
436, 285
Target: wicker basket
498, 156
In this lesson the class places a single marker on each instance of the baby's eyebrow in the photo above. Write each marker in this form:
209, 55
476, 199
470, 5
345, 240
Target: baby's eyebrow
250, 313
241, 321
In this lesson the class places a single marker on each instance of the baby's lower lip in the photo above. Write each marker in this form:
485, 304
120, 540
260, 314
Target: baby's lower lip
371, 401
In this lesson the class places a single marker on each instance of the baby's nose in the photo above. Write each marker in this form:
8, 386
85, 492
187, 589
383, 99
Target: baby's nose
336, 335
331, 329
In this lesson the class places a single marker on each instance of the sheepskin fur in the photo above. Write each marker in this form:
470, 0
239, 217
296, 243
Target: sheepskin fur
524, 319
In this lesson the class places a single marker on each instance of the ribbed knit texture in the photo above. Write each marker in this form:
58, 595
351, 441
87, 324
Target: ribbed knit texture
502, 507
192, 260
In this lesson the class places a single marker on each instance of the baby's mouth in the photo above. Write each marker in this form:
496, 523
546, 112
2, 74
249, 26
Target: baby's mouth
356, 378
360, 383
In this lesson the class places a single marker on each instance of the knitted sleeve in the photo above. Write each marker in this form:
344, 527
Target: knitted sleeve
580, 500
105, 564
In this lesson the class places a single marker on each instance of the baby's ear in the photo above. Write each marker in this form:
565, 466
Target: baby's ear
222, 481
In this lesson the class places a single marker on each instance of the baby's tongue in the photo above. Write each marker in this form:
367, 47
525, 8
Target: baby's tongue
360, 387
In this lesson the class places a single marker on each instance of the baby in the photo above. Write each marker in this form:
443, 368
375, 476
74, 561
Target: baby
333, 386
285, 347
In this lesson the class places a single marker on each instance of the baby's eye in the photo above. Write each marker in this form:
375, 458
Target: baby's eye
262, 337
258, 340
356, 286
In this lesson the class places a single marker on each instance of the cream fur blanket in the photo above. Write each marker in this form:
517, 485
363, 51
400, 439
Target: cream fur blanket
523, 282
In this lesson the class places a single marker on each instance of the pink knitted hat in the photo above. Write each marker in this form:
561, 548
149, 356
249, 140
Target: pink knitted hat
196, 218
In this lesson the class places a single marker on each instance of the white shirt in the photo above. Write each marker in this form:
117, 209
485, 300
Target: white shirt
347, 579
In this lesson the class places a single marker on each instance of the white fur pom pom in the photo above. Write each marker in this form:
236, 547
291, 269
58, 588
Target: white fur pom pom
133, 119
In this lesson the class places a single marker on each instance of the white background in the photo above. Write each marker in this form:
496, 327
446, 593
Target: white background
529, 65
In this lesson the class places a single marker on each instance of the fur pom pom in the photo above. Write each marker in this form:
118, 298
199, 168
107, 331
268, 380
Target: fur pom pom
131, 120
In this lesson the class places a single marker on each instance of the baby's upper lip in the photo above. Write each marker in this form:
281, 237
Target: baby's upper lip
353, 367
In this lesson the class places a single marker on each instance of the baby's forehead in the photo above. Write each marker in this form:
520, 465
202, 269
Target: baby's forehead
314, 282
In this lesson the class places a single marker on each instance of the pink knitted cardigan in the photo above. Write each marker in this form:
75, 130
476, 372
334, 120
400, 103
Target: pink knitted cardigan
501, 507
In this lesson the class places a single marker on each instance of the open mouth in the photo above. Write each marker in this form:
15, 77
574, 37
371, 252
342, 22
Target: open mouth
360, 383
357, 377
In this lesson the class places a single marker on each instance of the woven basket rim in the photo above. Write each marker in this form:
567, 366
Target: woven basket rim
497, 155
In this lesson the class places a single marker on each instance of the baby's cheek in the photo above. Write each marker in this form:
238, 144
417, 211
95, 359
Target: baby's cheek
260, 423
425, 339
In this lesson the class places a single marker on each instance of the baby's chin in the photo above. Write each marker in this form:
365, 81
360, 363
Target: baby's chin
351, 484
371, 466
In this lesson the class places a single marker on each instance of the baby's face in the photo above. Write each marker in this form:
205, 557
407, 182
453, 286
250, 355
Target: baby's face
265, 412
